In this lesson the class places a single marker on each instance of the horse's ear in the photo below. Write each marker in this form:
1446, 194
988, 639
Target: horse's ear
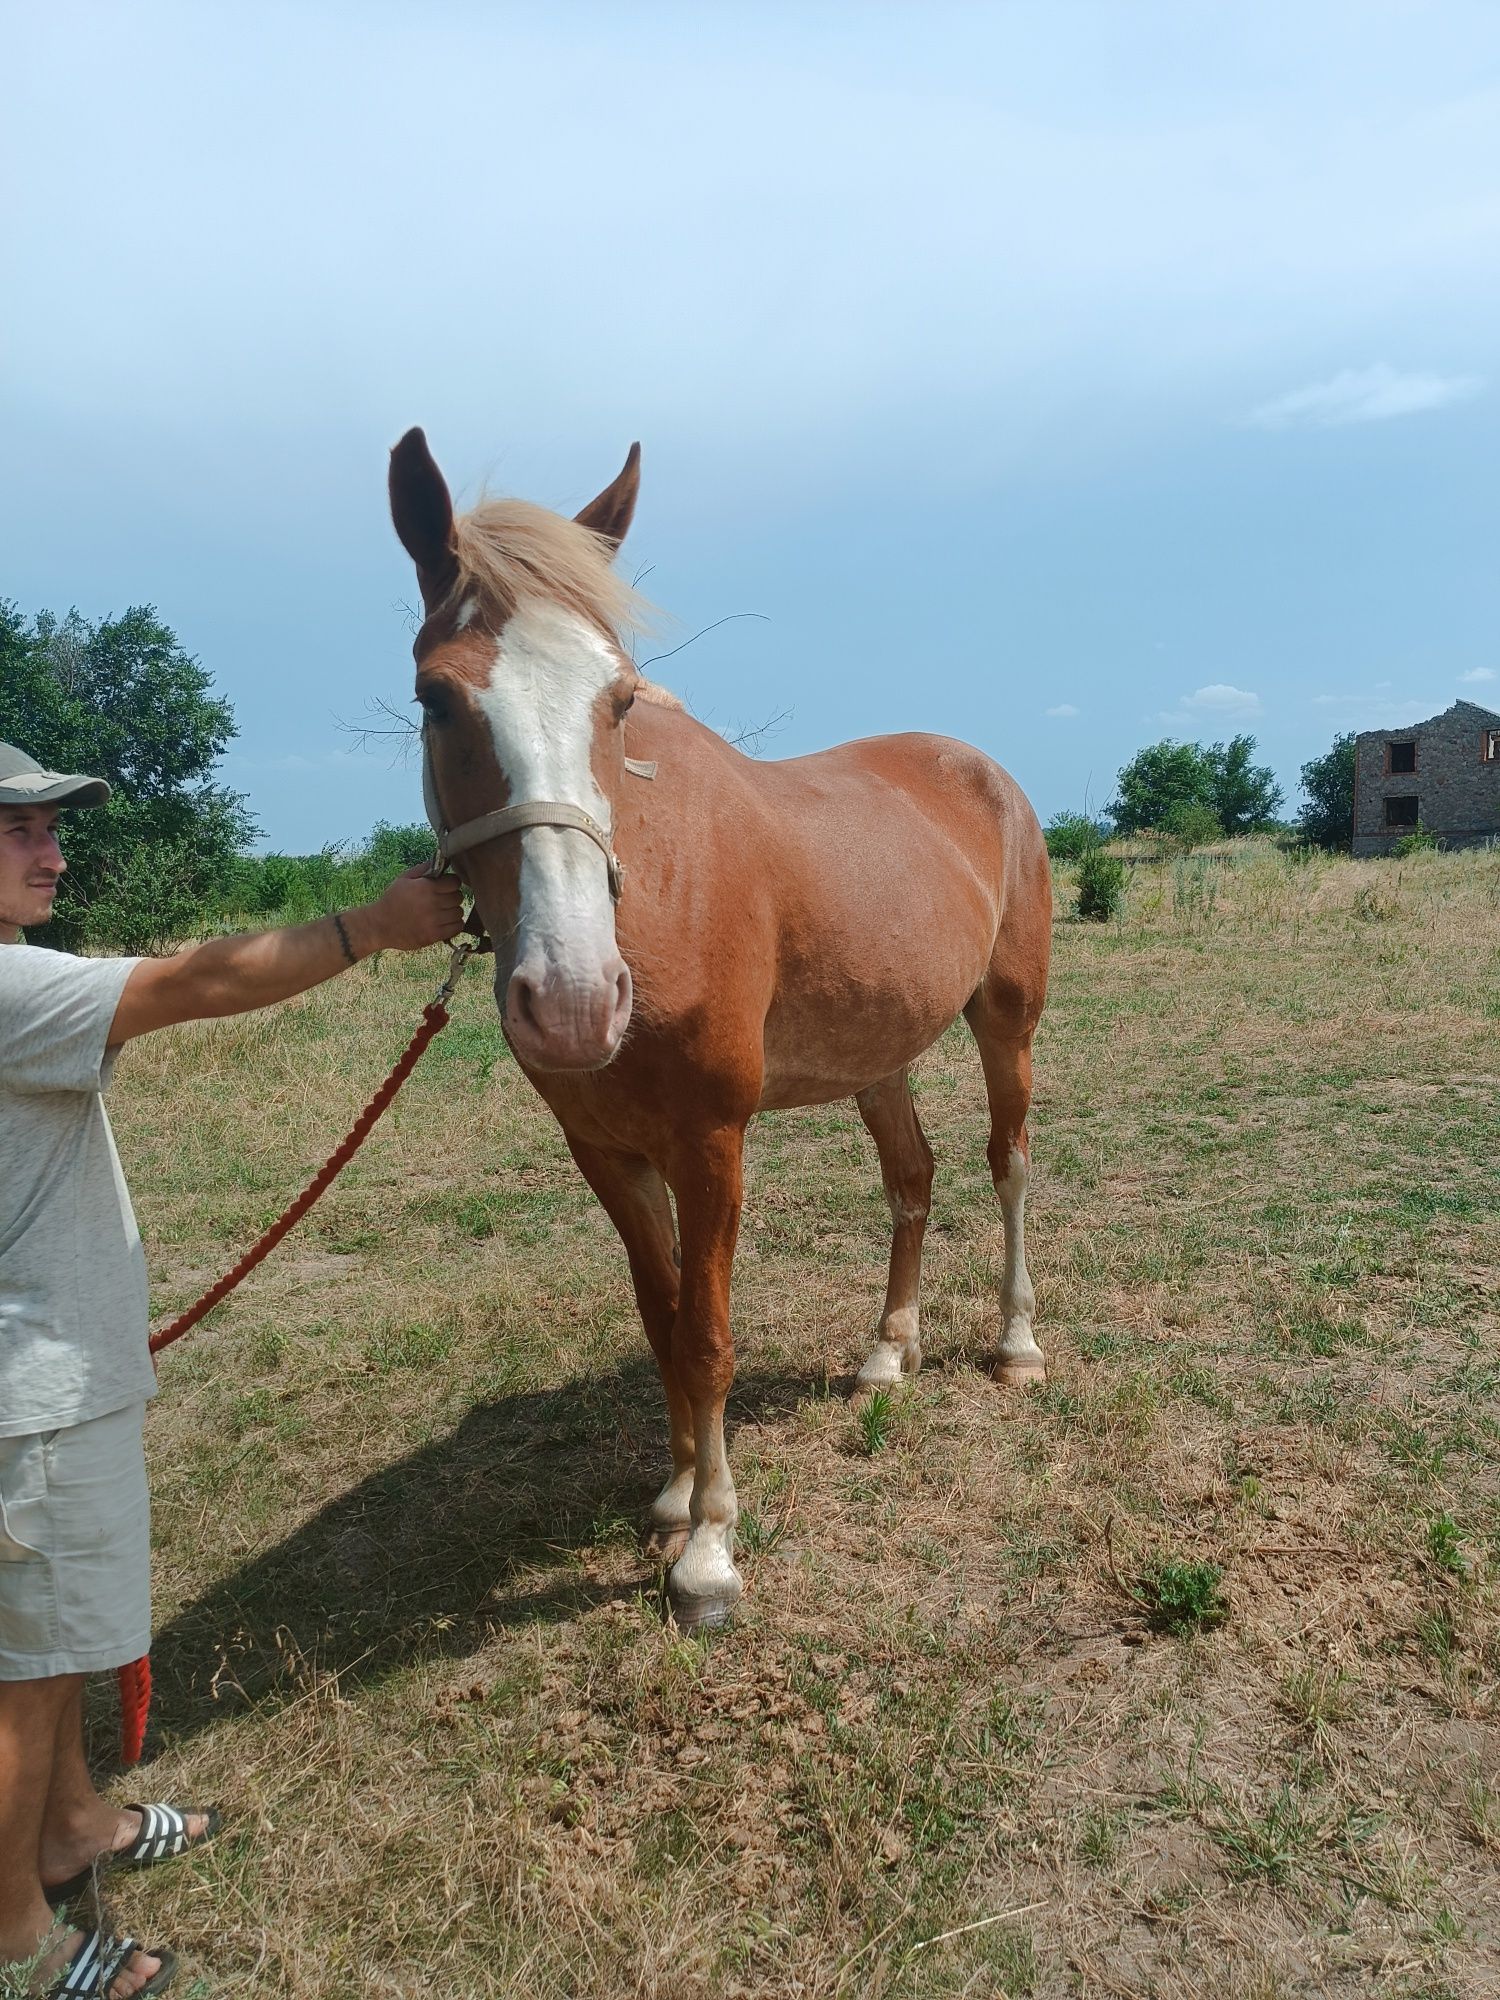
611, 513
423, 515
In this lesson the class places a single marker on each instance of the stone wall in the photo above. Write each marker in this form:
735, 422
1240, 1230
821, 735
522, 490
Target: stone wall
1457, 794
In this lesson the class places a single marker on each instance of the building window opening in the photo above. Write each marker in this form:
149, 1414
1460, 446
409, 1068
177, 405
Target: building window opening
1492, 746
1401, 812
1403, 757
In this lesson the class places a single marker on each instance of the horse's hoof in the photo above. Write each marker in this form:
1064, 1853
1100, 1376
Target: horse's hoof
885, 1366
701, 1614
665, 1544
703, 1587
1020, 1374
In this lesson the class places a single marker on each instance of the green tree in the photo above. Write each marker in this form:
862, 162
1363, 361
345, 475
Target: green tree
1169, 777
123, 701
1242, 795
1327, 819
1156, 779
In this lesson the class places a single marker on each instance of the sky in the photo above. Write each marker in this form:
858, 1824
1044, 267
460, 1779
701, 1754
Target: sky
1058, 376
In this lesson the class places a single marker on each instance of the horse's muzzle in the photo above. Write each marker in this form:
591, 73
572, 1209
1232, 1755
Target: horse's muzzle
557, 1023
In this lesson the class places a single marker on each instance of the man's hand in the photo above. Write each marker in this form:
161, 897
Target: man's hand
233, 975
416, 910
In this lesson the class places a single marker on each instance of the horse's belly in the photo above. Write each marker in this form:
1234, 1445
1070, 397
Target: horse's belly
816, 1051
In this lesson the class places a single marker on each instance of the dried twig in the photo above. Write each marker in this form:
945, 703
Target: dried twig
981, 1923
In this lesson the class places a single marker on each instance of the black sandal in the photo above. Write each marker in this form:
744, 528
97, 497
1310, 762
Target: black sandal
163, 1837
97, 1962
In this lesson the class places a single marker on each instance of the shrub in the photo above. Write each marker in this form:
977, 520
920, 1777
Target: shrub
1189, 824
1101, 885
1072, 835
391, 850
1418, 841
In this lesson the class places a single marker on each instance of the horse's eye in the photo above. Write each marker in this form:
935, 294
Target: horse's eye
434, 707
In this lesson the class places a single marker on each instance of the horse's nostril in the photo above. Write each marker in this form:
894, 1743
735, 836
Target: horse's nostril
522, 999
620, 1009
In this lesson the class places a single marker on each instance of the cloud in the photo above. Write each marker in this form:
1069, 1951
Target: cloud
1364, 396
1064, 709
1477, 674
1218, 702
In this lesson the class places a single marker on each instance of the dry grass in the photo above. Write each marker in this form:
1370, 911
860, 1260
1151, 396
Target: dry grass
406, 1637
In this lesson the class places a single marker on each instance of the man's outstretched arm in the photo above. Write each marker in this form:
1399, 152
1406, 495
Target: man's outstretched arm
233, 975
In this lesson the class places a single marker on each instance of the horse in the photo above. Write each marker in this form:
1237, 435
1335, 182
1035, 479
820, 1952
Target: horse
686, 936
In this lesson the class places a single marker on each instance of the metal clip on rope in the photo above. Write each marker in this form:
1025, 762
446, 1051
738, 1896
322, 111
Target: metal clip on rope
458, 958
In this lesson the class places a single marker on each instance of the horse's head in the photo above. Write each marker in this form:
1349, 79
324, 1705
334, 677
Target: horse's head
524, 689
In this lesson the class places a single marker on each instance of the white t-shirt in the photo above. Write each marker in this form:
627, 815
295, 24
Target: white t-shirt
73, 1323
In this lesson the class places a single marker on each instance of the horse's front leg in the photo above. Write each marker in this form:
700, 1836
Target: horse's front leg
704, 1584
634, 1196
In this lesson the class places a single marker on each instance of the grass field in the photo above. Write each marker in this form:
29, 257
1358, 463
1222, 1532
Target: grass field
1177, 1676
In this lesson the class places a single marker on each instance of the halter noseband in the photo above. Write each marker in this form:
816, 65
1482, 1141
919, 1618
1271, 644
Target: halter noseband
514, 819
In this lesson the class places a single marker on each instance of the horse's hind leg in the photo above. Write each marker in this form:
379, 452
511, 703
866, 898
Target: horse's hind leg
634, 1196
1002, 1027
906, 1170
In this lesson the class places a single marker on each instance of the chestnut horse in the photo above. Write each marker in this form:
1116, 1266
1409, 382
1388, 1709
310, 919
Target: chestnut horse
685, 936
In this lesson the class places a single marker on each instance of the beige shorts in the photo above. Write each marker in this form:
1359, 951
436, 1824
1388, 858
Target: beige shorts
75, 1549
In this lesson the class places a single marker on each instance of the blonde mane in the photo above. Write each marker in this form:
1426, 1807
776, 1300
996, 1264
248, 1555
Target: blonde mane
511, 552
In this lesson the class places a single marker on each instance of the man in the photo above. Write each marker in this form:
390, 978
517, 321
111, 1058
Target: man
75, 1373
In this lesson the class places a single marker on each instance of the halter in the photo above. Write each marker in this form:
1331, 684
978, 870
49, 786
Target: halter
514, 819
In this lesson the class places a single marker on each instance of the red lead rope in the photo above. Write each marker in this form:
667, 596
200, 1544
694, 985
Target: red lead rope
135, 1679
434, 1019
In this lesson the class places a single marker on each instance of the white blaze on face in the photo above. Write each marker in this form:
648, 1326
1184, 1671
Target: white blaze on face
542, 705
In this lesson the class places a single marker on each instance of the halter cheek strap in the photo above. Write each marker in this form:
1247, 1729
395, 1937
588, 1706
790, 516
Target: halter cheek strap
514, 819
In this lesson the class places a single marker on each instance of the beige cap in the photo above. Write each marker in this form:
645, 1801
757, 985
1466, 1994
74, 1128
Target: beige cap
23, 782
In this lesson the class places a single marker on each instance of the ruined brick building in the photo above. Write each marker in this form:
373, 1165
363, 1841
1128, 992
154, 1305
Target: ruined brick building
1442, 775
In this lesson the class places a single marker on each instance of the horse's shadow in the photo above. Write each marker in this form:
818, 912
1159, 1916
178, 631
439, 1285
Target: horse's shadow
481, 1528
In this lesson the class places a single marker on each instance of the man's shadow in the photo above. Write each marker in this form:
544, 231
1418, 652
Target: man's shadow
427, 1556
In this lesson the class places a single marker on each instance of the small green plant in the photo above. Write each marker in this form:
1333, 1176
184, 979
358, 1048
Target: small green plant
875, 1419
1438, 1638
1183, 1597
1101, 1834
755, 1535
418, 1346
1101, 886
1446, 1545
1316, 1696
1270, 1844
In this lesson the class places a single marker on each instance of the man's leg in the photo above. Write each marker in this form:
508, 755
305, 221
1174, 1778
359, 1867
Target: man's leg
29, 1716
78, 1826
32, 1715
